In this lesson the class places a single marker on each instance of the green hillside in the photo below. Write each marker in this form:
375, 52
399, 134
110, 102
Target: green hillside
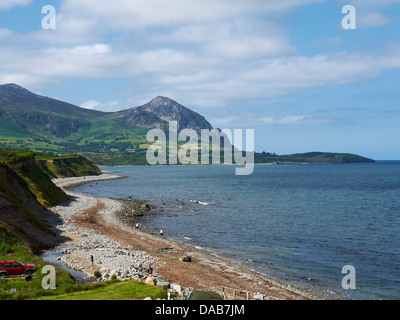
45, 125
33, 122
310, 157
37, 172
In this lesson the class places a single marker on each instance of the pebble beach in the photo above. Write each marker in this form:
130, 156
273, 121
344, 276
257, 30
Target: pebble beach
94, 226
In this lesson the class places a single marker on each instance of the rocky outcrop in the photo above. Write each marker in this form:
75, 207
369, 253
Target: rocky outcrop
159, 111
57, 126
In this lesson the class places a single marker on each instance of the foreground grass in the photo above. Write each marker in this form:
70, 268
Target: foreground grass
114, 290
11, 247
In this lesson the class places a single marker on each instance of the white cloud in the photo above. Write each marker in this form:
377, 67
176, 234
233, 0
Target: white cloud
329, 42
79, 61
5, 33
373, 2
371, 20
292, 120
96, 105
88, 51
22, 79
205, 53
90, 104
236, 121
138, 13
202, 80
8, 4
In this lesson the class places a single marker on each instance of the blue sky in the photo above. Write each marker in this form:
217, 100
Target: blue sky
285, 68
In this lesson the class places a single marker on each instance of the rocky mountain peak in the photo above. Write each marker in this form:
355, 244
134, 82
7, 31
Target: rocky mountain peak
159, 111
12, 90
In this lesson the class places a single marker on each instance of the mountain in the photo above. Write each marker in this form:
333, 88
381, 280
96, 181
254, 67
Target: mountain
14, 97
45, 125
25, 113
31, 121
158, 112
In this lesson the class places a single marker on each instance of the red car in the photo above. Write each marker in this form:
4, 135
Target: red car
15, 267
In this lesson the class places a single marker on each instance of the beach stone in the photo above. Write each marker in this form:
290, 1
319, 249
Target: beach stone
186, 259
163, 284
176, 287
151, 281
145, 207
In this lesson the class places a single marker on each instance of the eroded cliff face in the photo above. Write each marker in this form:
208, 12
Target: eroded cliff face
19, 164
20, 210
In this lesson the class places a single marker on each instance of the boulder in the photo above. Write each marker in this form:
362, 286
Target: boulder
163, 284
151, 281
176, 287
186, 259
145, 207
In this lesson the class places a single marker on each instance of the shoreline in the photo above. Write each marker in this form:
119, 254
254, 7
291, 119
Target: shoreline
92, 226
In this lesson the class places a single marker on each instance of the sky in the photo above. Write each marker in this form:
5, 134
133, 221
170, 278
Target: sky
289, 69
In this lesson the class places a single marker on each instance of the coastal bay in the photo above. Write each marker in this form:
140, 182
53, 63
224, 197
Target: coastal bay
93, 228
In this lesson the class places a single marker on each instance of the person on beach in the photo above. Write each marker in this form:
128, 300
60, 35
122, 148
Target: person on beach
161, 232
137, 225
140, 267
91, 260
150, 271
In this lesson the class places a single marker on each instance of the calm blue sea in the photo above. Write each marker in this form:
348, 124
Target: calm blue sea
299, 223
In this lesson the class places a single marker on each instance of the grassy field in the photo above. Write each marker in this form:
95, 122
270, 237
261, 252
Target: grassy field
114, 290
8, 155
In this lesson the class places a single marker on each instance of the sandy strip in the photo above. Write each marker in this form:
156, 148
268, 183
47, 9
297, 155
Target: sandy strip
204, 272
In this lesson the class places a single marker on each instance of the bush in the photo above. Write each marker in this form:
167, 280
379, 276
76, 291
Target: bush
97, 274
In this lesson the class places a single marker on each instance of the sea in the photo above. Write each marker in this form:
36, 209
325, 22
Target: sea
331, 228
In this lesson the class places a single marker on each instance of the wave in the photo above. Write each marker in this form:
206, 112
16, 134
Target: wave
200, 202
